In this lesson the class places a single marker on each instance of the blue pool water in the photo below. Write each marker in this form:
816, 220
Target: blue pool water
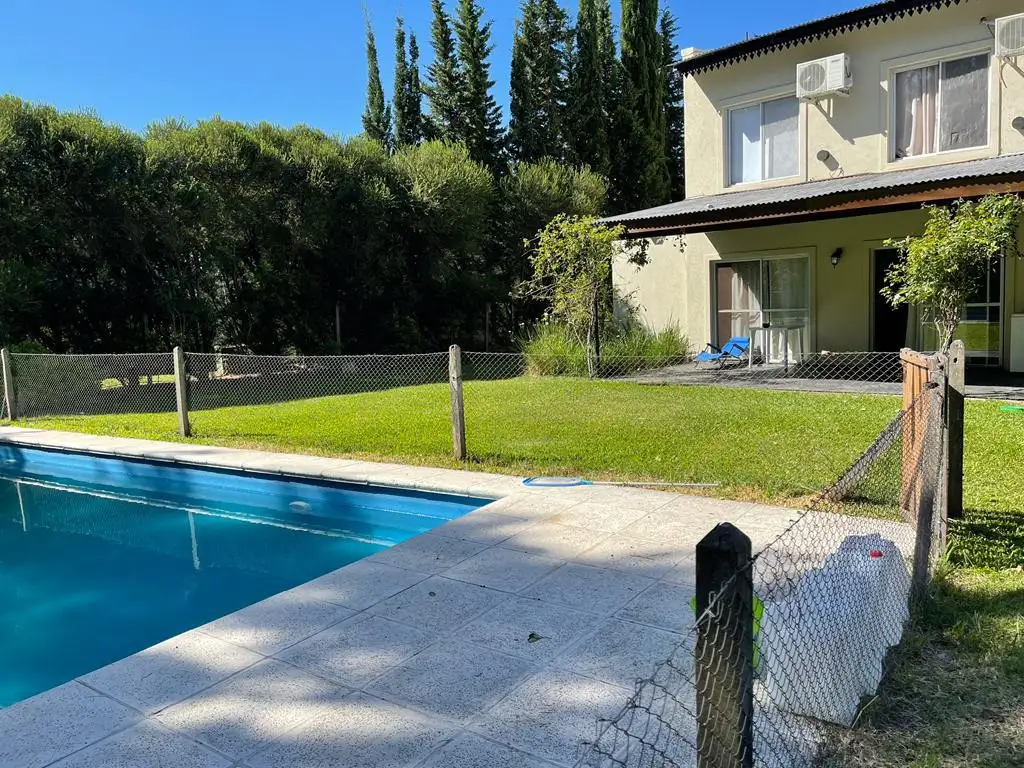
101, 557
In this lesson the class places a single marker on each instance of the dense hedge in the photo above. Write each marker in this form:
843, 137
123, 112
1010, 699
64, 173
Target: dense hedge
221, 232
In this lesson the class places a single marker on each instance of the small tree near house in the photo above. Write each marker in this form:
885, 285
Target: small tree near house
572, 270
939, 269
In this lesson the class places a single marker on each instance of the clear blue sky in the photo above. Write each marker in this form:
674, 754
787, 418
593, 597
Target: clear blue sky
285, 61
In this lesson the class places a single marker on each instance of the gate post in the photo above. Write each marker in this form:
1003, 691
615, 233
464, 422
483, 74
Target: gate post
953, 476
181, 392
724, 653
8, 377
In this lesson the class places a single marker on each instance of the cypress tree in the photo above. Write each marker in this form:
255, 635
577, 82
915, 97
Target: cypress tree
415, 91
642, 59
444, 80
538, 82
406, 97
377, 115
587, 114
674, 137
481, 115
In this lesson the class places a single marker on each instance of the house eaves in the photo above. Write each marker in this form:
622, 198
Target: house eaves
829, 26
841, 196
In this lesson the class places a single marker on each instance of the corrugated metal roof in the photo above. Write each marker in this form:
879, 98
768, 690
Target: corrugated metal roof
828, 26
841, 185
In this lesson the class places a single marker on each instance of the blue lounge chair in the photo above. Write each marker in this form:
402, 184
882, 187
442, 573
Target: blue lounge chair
737, 348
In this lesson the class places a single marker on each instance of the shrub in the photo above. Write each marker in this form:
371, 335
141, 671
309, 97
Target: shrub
553, 350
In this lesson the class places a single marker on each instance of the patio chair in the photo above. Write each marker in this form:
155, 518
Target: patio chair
735, 349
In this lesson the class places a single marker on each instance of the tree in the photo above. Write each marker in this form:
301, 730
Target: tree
481, 115
538, 82
572, 269
673, 111
406, 93
643, 139
377, 115
444, 80
939, 269
587, 115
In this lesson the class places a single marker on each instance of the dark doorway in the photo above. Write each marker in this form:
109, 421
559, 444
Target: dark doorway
889, 325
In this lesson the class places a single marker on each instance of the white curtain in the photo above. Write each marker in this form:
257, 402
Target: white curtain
746, 296
786, 285
781, 138
745, 144
917, 125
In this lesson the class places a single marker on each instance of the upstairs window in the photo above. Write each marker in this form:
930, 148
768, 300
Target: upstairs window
941, 107
763, 141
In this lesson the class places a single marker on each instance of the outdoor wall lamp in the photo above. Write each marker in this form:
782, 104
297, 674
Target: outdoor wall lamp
1018, 123
837, 254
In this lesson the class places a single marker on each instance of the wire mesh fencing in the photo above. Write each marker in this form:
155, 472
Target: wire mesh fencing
65, 385
787, 643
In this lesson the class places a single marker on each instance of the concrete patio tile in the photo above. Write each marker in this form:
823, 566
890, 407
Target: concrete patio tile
358, 730
361, 584
664, 605
560, 542
170, 671
37, 731
536, 505
472, 751
253, 709
427, 553
438, 604
452, 679
357, 650
277, 622
506, 569
288, 463
529, 628
620, 653
599, 516
684, 572
146, 745
640, 556
484, 526
552, 714
632, 498
594, 590
679, 525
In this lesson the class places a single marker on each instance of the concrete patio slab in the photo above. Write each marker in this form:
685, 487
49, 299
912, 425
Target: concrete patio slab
497, 639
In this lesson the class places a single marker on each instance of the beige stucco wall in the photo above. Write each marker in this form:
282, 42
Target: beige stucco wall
853, 129
674, 289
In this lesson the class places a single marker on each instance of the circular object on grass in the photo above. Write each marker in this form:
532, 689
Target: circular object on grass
555, 482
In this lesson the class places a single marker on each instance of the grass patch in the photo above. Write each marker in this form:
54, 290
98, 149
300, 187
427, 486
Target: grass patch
758, 444
955, 696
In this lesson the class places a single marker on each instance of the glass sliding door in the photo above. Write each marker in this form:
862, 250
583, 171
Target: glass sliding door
765, 292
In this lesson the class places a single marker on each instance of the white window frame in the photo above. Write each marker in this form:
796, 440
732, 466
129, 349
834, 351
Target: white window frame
759, 100
909, 64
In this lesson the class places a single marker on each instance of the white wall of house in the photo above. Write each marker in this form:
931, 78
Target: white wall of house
854, 129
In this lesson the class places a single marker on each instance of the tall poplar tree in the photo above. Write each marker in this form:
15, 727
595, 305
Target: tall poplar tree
674, 131
642, 64
444, 80
377, 115
537, 124
406, 94
480, 113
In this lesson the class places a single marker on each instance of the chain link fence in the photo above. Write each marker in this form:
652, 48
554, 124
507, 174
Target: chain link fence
61, 385
788, 642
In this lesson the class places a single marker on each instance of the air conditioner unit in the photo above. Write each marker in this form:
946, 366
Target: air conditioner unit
821, 78
1010, 35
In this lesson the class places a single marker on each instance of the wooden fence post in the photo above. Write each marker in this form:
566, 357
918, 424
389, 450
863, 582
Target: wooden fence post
181, 392
458, 412
953, 476
724, 654
8, 376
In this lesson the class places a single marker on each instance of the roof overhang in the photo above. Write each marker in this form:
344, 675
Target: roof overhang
829, 198
830, 26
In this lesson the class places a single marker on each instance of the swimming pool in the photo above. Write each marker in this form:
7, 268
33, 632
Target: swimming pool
102, 557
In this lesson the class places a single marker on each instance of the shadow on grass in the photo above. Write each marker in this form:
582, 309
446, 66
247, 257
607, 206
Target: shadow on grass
955, 692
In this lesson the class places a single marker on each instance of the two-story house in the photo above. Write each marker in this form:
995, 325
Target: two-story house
807, 148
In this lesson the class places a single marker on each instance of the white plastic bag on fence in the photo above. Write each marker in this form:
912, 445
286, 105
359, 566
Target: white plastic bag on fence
824, 643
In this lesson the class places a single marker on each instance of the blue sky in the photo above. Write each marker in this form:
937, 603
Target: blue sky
285, 61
